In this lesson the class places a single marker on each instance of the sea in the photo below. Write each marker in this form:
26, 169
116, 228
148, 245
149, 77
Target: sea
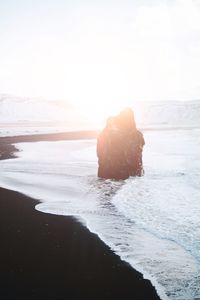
151, 222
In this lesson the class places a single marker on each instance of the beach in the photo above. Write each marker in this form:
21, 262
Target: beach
56, 257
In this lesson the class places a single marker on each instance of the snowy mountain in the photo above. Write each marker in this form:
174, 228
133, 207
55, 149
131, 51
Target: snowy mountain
36, 115
166, 114
28, 115
16, 109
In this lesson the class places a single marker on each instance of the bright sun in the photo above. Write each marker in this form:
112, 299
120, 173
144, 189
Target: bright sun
99, 90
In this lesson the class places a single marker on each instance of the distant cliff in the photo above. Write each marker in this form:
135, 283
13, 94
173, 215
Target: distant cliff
40, 112
168, 114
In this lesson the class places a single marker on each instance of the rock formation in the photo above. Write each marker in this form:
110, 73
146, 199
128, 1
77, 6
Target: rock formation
119, 148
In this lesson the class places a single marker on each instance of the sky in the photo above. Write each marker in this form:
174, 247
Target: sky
100, 53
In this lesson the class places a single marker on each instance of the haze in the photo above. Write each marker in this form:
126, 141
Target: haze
98, 54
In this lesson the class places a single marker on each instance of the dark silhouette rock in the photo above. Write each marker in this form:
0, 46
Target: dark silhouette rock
119, 148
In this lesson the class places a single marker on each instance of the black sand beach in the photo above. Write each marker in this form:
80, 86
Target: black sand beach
55, 257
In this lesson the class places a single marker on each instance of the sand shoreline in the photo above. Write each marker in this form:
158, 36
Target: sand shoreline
68, 135
55, 257
8, 149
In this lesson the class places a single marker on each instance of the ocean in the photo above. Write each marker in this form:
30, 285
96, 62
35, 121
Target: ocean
151, 222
